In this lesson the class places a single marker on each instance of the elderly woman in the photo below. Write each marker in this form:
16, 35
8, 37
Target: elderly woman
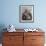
26, 15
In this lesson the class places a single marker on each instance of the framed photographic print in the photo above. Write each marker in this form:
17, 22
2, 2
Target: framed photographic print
26, 13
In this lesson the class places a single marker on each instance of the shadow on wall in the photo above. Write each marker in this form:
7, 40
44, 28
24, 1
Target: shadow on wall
2, 26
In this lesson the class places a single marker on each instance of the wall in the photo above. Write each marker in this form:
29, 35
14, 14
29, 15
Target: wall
9, 13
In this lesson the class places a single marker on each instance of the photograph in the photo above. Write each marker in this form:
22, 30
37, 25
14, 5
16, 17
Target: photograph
26, 13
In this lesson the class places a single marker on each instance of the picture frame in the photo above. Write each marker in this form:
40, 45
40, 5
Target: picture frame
26, 13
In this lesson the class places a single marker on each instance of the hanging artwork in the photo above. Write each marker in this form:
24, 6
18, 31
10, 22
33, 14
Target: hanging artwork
26, 13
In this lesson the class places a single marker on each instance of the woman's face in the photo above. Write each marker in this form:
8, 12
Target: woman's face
26, 12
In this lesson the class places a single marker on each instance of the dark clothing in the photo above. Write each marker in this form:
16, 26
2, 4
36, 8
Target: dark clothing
27, 17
